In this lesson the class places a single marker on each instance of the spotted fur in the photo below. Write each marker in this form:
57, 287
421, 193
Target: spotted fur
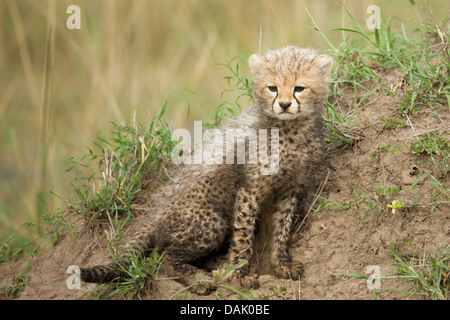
211, 208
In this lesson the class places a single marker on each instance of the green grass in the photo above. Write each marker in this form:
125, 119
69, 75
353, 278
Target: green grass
376, 200
237, 94
140, 271
428, 275
111, 179
441, 194
425, 69
381, 198
117, 165
425, 275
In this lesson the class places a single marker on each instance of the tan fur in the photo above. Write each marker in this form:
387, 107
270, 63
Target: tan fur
211, 208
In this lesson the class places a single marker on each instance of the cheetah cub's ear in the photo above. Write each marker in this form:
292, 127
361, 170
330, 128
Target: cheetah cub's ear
256, 61
325, 63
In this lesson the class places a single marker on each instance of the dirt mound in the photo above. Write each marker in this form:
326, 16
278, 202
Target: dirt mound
352, 230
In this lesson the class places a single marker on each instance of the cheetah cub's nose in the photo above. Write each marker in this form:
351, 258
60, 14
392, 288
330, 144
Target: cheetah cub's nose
285, 105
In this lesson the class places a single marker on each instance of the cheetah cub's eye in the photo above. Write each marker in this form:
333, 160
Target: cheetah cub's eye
299, 89
273, 88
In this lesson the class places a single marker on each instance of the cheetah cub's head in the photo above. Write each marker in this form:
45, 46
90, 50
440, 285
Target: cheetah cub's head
290, 82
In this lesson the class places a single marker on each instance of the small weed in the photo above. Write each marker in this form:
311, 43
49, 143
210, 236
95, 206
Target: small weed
391, 124
364, 204
395, 205
379, 150
275, 292
8, 252
18, 285
398, 147
404, 248
440, 193
383, 147
52, 226
55, 225
431, 144
383, 192
436, 148
185, 296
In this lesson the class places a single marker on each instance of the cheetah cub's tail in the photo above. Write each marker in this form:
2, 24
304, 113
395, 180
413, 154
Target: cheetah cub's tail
104, 273
139, 246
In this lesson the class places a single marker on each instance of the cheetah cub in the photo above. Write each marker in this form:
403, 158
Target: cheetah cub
211, 208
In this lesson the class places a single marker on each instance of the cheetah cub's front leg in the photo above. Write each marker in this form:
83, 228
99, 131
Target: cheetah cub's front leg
285, 207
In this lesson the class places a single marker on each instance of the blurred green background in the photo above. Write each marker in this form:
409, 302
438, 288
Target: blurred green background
60, 87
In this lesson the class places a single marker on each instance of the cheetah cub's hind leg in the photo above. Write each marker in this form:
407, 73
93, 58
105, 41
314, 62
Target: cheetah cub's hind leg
284, 211
242, 238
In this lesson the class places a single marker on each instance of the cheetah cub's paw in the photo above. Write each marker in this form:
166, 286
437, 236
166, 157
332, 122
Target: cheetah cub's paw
291, 270
246, 282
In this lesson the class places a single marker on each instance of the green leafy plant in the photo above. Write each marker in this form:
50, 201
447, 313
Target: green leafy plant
395, 205
431, 144
436, 147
